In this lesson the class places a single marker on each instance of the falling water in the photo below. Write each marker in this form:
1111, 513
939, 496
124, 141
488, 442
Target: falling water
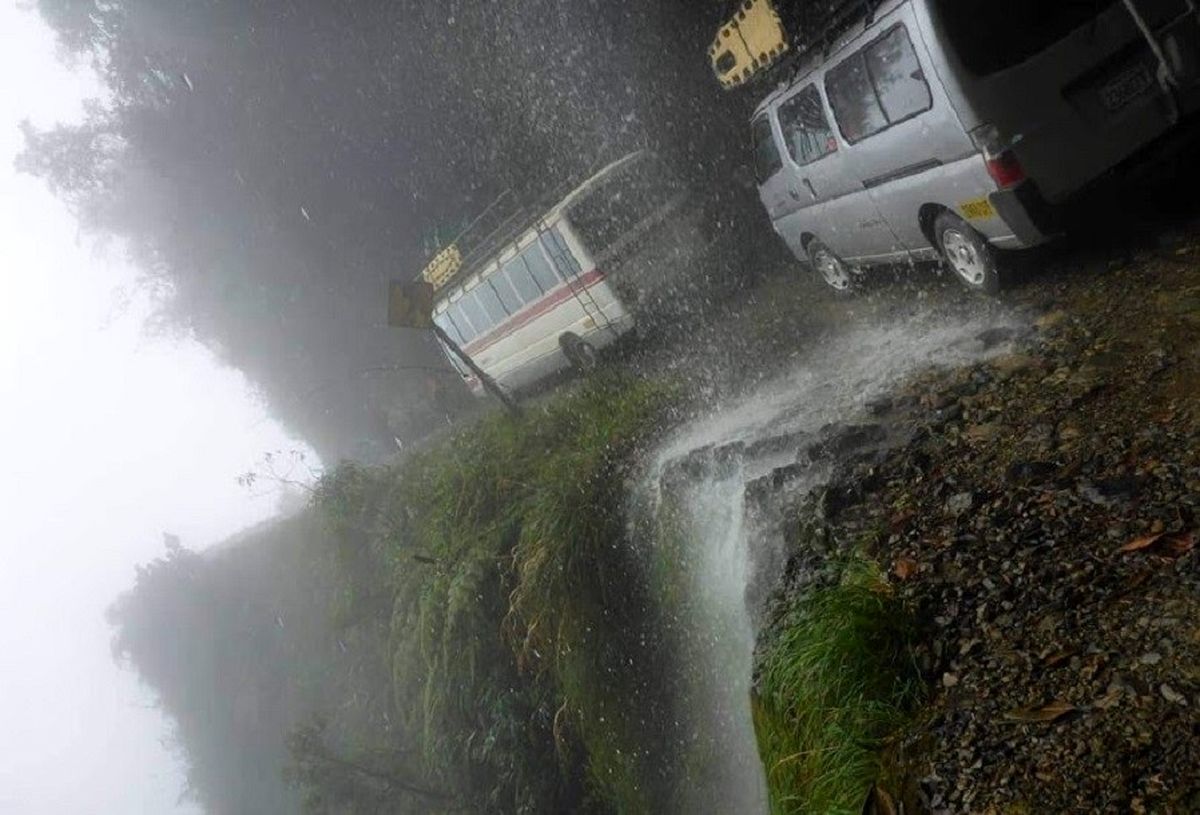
724, 552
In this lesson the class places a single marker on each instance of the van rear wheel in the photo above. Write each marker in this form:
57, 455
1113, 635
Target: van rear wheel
579, 352
967, 252
832, 269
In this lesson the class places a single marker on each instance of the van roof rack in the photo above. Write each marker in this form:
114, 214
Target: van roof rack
818, 26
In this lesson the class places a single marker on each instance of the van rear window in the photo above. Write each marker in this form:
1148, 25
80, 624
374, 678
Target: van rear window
878, 86
989, 36
766, 155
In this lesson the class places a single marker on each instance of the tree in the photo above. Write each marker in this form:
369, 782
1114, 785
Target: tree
272, 165
333, 783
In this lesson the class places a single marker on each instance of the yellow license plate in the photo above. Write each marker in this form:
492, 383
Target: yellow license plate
977, 208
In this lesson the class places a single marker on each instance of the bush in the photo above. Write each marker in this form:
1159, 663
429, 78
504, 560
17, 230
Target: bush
522, 637
836, 681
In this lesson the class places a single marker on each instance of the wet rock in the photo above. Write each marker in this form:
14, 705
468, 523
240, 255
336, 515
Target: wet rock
772, 445
1030, 471
959, 503
989, 431
689, 467
946, 415
1172, 695
1012, 363
1050, 319
992, 337
728, 454
839, 440
758, 489
1039, 435
1024, 596
879, 405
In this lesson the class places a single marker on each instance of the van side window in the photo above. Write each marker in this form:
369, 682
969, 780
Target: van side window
897, 75
767, 161
877, 86
806, 131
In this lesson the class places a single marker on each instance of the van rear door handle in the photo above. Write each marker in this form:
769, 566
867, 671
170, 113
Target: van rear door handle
811, 191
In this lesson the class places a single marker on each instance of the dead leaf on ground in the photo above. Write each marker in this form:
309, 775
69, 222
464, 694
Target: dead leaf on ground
878, 802
1177, 545
1141, 542
1055, 659
1111, 697
1168, 545
905, 568
1045, 713
900, 519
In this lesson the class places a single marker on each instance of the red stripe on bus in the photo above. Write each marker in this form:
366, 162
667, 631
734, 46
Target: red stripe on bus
533, 311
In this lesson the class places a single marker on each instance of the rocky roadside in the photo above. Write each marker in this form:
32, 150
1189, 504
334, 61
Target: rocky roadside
1042, 522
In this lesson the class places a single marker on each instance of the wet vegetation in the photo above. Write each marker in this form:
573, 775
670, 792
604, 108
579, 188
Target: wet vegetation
837, 678
474, 635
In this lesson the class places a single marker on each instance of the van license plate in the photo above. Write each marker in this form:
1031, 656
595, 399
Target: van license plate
977, 209
1125, 87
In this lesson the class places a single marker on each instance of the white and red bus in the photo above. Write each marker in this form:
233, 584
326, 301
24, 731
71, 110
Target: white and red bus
537, 293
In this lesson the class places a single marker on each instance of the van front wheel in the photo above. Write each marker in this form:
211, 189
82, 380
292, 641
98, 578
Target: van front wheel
967, 252
832, 269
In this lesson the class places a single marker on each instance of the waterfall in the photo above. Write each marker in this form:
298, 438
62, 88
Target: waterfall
714, 550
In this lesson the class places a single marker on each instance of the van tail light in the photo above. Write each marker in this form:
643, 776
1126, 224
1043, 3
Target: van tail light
1002, 163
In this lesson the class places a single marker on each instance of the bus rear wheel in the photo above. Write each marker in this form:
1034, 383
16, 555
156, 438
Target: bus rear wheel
579, 352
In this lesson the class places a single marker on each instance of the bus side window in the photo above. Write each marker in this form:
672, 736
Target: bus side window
488, 298
540, 267
517, 274
465, 329
443, 321
474, 312
505, 291
556, 247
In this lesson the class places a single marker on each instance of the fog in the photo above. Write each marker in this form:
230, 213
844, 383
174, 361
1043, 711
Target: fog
763, 524
114, 435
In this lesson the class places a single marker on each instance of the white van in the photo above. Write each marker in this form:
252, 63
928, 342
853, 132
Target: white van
546, 289
922, 128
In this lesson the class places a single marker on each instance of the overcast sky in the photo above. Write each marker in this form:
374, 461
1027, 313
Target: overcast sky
111, 437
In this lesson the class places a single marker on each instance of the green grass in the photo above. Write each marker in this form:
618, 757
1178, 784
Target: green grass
513, 596
834, 684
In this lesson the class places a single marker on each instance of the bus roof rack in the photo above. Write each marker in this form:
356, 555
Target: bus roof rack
500, 224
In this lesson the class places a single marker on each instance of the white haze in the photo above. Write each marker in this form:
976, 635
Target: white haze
110, 438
